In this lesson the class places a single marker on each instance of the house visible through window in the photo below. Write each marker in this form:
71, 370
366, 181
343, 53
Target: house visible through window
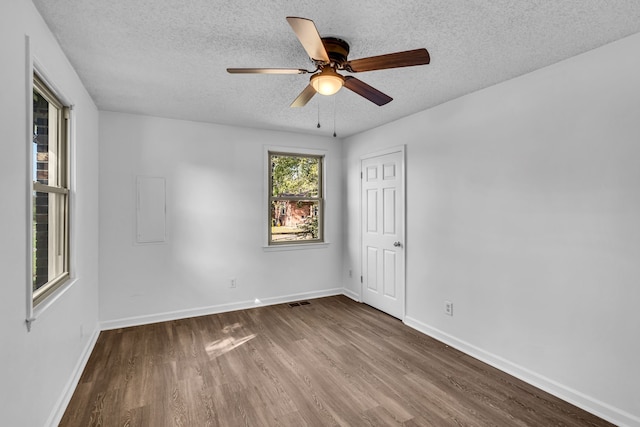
50, 192
295, 198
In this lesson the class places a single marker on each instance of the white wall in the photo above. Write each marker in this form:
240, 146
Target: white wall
523, 209
215, 221
38, 368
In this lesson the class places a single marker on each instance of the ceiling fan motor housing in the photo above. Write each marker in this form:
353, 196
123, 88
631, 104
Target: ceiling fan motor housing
337, 49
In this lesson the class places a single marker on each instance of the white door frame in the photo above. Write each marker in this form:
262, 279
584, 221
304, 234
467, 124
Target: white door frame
403, 216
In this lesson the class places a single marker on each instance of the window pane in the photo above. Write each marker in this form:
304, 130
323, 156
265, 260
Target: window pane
48, 237
295, 176
45, 139
40, 239
294, 220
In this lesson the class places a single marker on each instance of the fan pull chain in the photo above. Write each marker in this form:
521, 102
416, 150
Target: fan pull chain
334, 116
318, 114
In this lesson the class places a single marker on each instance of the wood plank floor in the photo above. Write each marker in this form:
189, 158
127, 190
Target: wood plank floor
331, 362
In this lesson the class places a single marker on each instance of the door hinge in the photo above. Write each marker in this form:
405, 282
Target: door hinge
361, 176
361, 281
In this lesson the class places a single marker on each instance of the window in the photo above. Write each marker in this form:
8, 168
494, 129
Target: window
50, 192
295, 198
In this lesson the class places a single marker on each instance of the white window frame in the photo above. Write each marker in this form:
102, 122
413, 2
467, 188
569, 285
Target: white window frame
302, 244
39, 301
58, 236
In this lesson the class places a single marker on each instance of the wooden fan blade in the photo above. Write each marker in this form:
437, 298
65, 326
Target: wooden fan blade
407, 58
266, 71
304, 97
369, 92
309, 37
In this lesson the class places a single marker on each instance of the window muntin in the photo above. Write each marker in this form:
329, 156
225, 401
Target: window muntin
50, 192
295, 198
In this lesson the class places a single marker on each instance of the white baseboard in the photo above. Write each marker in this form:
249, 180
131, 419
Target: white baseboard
214, 309
581, 400
351, 294
61, 405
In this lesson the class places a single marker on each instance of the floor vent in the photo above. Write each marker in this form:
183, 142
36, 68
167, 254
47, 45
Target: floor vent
298, 304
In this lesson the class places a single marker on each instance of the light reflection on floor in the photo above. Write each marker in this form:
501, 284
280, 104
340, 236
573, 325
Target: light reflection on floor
224, 345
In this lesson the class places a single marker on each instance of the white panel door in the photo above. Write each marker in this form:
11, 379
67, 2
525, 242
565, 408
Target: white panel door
383, 232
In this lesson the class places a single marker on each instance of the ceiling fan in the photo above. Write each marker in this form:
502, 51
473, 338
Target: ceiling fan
329, 54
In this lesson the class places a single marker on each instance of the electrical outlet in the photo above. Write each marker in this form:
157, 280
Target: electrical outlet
448, 308
233, 283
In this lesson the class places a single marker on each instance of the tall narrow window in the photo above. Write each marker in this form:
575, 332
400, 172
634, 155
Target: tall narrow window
295, 198
50, 192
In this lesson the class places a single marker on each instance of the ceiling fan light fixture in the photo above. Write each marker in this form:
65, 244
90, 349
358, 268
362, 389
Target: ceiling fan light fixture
327, 82
329, 54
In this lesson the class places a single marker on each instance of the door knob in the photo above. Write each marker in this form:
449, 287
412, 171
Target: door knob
397, 244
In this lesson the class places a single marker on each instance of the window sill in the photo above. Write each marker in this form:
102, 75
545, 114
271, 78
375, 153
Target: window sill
295, 247
49, 301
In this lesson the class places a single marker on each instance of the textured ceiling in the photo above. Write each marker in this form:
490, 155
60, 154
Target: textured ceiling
168, 58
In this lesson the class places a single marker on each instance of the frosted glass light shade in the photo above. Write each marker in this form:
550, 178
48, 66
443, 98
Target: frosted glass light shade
327, 82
